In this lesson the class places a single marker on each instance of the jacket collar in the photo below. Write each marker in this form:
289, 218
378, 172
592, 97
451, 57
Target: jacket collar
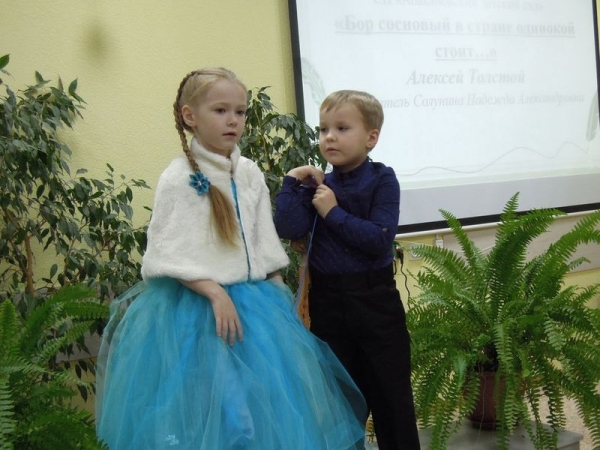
213, 162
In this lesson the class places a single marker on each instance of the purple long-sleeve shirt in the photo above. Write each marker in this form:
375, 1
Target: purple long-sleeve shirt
358, 233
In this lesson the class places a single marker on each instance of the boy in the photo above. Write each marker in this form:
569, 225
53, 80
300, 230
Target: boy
353, 301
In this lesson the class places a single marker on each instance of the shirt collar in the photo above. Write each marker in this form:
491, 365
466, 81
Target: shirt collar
356, 172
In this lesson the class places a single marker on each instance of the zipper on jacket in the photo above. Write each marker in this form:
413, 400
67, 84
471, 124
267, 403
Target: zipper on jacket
237, 210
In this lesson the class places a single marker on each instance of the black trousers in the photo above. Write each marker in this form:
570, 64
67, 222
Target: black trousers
362, 319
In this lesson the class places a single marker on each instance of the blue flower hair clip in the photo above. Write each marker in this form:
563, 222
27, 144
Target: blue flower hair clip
199, 182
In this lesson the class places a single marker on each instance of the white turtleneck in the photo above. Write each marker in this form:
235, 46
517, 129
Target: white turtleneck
182, 241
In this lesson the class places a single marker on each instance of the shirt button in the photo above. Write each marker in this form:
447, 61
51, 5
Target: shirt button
385, 230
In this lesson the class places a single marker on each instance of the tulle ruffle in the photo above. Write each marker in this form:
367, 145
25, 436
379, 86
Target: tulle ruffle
165, 380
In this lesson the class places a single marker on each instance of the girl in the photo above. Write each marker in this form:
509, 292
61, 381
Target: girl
207, 353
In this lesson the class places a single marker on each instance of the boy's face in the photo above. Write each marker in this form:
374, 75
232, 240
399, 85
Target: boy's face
344, 140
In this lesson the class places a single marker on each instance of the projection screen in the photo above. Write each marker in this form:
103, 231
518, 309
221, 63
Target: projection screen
482, 98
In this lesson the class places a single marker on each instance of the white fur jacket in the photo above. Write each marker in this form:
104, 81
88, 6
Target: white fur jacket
182, 242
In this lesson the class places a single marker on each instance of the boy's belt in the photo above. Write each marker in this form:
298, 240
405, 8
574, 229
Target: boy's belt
353, 281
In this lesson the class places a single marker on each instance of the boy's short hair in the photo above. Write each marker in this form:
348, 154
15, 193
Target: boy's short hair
370, 108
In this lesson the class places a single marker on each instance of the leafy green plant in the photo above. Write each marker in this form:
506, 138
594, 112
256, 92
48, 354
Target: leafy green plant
504, 313
58, 229
85, 222
278, 143
35, 413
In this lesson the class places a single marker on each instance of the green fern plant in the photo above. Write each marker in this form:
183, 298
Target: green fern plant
35, 410
500, 312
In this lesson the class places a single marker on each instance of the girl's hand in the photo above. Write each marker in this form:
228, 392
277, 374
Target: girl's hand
275, 277
324, 200
308, 175
227, 321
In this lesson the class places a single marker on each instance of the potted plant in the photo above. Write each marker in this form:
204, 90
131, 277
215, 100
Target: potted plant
85, 224
59, 227
496, 311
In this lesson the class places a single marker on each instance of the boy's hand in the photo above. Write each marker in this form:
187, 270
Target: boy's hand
308, 175
324, 200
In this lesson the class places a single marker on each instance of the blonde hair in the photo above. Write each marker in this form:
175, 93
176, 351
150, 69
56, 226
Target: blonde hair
369, 107
192, 90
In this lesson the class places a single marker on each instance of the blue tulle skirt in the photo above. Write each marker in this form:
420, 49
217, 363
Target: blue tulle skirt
166, 381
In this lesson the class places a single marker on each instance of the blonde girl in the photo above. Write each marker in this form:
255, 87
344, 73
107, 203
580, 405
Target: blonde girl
207, 352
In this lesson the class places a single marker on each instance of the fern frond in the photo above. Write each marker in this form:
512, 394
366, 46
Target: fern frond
7, 422
67, 428
444, 261
9, 330
23, 367
53, 346
445, 401
472, 254
74, 301
506, 261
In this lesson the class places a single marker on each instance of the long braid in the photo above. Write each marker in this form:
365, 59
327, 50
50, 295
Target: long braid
180, 124
224, 217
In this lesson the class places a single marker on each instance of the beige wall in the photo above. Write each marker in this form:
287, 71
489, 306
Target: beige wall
129, 57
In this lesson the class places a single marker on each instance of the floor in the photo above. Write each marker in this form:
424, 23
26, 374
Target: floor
574, 423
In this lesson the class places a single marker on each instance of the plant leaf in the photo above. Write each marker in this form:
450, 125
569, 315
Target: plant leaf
4, 60
73, 87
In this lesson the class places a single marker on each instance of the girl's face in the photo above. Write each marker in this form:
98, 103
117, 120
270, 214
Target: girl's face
218, 119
